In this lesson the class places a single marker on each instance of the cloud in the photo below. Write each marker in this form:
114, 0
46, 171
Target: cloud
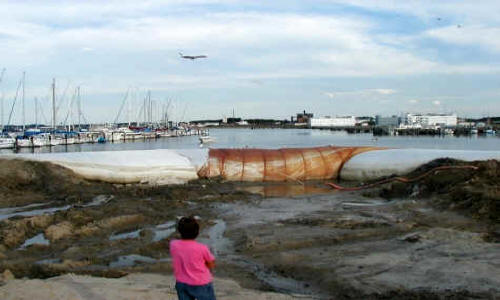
413, 101
475, 36
436, 102
138, 41
367, 93
384, 91
329, 94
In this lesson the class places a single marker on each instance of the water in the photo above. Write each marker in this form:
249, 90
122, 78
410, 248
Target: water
38, 239
35, 212
133, 259
278, 138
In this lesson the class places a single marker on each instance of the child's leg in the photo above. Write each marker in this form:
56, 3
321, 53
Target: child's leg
202, 292
183, 291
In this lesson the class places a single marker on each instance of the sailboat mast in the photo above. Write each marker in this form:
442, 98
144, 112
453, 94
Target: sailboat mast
54, 103
79, 110
24, 111
36, 112
1, 104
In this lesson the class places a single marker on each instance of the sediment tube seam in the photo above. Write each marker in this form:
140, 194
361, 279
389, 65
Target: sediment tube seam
324, 163
242, 155
265, 166
304, 164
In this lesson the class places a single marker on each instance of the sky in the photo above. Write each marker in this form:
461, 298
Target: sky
266, 59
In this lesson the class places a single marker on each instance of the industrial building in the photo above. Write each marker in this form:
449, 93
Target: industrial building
329, 122
428, 120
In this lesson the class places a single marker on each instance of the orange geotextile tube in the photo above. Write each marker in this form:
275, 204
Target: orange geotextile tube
287, 164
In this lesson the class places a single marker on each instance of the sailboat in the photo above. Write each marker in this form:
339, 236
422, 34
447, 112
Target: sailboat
6, 142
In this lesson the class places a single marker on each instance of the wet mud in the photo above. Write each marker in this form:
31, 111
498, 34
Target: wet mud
413, 241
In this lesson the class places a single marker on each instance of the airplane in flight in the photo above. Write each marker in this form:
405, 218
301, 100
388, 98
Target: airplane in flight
192, 57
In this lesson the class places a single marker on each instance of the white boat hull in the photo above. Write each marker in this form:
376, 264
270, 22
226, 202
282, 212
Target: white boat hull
7, 143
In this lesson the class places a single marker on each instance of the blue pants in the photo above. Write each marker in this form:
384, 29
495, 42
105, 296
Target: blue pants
192, 292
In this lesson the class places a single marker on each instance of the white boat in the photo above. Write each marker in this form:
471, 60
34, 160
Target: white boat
7, 142
68, 141
24, 143
206, 139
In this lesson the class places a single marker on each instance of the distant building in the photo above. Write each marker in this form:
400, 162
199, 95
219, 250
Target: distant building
303, 117
428, 120
392, 121
349, 121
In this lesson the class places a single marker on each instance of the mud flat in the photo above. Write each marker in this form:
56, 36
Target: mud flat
434, 239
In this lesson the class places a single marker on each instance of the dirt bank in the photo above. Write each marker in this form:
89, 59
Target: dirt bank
474, 192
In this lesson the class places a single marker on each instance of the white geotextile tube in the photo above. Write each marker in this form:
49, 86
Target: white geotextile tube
166, 166
161, 166
382, 163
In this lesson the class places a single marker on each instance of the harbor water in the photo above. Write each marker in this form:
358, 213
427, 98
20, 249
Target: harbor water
280, 138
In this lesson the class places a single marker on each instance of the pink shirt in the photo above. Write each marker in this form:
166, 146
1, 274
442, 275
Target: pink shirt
189, 258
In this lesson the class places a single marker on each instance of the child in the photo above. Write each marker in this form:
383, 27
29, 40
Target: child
192, 262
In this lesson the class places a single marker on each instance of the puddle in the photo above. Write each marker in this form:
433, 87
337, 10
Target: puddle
214, 238
127, 235
38, 239
160, 231
99, 200
49, 261
365, 204
163, 231
9, 210
133, 259
35, 212
286, 190
24, 211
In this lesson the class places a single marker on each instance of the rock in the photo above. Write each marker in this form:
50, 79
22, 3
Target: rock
412, 238
59, 231
120, 221
2, 256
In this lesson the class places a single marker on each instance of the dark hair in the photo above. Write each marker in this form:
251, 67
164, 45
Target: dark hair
188, 228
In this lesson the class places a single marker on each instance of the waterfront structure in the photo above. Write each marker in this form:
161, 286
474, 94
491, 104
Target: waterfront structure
329, 122
392, 121
304, 117
428, 120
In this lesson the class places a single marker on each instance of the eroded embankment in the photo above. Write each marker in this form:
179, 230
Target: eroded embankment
474, 192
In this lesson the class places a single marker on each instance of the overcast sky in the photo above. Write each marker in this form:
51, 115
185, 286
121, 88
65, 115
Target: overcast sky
265, 58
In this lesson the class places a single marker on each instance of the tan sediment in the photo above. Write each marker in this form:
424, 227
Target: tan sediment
109, 223
17, 231
133, 286
59, 231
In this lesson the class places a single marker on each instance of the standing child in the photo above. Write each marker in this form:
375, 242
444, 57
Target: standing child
192, 262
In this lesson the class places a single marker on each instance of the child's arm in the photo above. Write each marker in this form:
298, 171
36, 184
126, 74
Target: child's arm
210, 264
